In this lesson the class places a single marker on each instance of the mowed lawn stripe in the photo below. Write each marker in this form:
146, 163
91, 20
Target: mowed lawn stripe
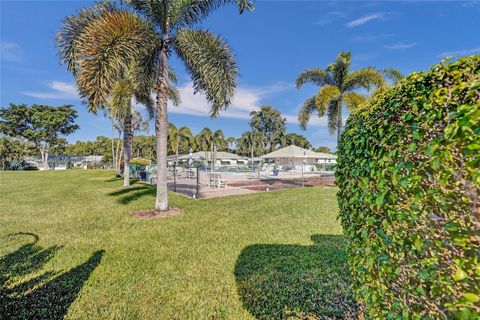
94, 260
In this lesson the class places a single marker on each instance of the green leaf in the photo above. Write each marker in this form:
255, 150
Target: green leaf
472, 297
460, 275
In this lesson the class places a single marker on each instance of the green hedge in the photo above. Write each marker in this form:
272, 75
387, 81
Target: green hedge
409, 179
140, 161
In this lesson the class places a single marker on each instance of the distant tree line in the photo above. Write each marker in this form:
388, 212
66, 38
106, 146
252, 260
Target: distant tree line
268, 133
32, 137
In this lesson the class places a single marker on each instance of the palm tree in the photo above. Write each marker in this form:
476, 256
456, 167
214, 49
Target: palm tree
231, 141
218, 142
178, 138
146, 47
204, 141
129, 118
338, 86
207, 58
252, 141
113, 79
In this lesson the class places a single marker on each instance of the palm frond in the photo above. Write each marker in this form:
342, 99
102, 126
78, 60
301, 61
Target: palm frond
110, 47
211, 64
67, 38
353, 100
174, 96
144, 97
366, 78
305, 112
393, 74
332, 115
153, 10
315, 76
340, 68
172, 76
190, 12
324, 96
120, 99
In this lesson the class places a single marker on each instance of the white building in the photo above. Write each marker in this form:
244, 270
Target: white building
221, 158
297, 159
326, 158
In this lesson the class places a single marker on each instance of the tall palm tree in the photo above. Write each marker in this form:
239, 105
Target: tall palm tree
179, 137
130, 119
105, 77
338, 88
146, 46
207, 58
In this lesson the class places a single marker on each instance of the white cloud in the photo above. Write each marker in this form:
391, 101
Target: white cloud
401, 45
246, 100
11, 51
365, 19
459, 53
58, 90
370, 37
330, 17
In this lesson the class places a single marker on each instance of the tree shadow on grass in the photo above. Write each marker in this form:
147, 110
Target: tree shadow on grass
115, 179
44, 296
277, 281
129, 194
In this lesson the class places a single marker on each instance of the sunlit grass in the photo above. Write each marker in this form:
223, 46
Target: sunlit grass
264, 255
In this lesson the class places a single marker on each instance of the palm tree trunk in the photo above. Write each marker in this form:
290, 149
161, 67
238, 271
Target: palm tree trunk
251, 155
119, 155
114, 158
161, 130
127, 147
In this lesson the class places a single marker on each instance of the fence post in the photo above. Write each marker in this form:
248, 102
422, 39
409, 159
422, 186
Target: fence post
174, 177
198, 180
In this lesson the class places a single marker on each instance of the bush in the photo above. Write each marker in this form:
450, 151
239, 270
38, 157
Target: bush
409, 179
140, 161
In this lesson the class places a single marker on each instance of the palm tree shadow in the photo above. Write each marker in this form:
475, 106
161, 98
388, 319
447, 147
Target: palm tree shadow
296, 282
129, 194
45, 296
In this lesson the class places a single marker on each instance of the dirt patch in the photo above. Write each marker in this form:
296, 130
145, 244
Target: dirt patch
150, 214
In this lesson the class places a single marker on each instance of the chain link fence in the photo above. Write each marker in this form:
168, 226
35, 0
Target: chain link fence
204, 181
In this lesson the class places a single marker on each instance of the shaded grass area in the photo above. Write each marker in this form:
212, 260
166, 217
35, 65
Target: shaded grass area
46, 296
69, 247
284, 281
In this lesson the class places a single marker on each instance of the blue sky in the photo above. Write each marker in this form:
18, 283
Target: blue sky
272, 45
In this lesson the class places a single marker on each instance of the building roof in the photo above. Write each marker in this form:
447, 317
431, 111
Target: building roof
174, 156
291, 152
323, 155
219, 155
297, 152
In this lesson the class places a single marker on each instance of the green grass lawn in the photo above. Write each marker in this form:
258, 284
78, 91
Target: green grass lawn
68, 247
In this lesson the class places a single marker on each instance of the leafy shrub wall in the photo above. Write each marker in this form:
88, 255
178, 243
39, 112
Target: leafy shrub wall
409, 179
